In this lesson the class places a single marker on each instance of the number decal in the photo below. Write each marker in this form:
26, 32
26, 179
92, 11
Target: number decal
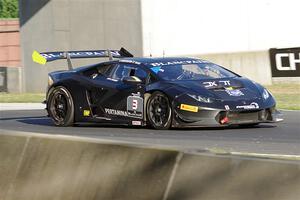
134, 104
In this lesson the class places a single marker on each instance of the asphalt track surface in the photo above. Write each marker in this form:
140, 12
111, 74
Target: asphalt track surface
281, 138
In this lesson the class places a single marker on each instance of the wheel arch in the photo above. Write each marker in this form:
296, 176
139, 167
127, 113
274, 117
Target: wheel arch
51, 94
56, 85
73, 90
147, 95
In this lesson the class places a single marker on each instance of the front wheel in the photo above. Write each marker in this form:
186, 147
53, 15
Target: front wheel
60, 107
159, 112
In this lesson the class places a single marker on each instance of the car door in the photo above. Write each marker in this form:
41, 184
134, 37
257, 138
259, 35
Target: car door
112, 98
125, 100
99, 87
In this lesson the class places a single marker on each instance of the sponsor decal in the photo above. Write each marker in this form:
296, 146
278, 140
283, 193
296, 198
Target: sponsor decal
235, 93
130, 61
252, 105
156, 69
285, 62
138, 94
227, 107
136, 123
135, 106
225, 82
189, 108
182, 62
111, 79
86, 113
79, 54
209, 84
116, 112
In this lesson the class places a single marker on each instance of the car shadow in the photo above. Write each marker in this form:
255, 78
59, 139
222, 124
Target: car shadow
46, 121
226, 127
41, 121
17, 118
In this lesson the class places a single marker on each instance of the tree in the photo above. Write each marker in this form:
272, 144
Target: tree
9, 9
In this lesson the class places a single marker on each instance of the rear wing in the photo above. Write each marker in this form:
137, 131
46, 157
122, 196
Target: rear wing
43, 58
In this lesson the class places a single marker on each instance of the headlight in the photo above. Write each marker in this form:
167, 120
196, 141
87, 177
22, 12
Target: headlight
265, 94
50, 81
201, 98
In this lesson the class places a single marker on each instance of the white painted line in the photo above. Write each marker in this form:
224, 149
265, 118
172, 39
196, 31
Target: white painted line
262, 155
289, 110
22, 106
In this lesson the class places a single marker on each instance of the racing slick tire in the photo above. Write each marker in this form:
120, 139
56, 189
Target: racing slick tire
159, 111
60, 107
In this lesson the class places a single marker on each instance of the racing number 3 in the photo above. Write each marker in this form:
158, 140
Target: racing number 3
134, 104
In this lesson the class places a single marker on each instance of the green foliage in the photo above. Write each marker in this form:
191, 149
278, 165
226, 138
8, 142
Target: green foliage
9, 9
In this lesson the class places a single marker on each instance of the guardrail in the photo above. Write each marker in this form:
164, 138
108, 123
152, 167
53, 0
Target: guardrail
46, 167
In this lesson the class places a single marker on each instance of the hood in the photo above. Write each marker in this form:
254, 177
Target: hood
226, 89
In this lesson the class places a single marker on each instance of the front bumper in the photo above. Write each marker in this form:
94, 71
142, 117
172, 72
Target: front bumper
209, 117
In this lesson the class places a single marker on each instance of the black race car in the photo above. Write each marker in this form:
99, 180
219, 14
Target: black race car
160, 92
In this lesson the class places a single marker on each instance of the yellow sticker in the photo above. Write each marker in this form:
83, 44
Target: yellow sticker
38, 58
86, 113
188, 108
229, 88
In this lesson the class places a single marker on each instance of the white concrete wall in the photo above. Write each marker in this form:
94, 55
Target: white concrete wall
253, 65
234, 33
217, 26
14, 79
76, 25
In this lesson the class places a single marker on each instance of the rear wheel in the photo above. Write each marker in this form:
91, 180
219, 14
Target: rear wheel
159, 112
60, 107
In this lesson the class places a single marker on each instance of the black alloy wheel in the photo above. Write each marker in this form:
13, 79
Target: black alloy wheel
159, 112
60, 107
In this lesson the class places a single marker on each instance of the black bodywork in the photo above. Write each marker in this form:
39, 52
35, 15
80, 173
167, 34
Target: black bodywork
99, 97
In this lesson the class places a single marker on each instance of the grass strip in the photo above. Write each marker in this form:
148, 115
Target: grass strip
22, 98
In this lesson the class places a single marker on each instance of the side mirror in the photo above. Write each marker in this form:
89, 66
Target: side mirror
132, 80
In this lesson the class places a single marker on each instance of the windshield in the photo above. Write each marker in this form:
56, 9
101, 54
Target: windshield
191, 71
